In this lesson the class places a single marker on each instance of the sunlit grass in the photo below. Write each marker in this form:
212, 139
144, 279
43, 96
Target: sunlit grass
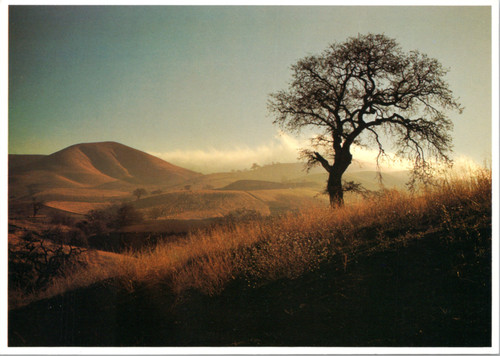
267, 249
288, 246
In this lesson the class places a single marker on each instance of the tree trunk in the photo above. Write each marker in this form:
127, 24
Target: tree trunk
334, 186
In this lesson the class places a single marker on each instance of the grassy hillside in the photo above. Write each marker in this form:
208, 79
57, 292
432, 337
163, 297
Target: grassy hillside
399, 270
91, 165
252, 184
201, 204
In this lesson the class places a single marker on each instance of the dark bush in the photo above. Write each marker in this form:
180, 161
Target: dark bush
156, 212
77, 237
33, 264
59, 218
127, 215
97, 222
104, 221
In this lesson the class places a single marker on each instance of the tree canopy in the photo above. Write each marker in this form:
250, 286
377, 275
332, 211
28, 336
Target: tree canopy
360, 90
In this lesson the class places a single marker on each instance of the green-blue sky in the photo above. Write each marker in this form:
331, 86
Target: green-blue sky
188, 80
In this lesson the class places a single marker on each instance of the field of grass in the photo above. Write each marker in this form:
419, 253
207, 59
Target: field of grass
289, 246
399, 269
201, 204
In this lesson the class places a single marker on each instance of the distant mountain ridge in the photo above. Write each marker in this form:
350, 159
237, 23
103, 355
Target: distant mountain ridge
94, 164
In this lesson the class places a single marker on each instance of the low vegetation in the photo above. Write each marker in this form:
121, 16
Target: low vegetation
37, 261
260, 250
263, 250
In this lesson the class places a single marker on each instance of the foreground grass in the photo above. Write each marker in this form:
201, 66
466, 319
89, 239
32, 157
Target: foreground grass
265, 250
399, 269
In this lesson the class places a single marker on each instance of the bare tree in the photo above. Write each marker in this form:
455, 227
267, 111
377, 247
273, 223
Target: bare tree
360, 90
36, 205
36, 202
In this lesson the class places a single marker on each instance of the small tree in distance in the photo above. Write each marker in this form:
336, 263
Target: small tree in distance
358, 91
254, 166
36, 205
139, 192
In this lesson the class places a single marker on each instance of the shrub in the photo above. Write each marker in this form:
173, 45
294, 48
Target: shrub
59, 218
96, 222
102, 221
156, 212
127, 215
33, 264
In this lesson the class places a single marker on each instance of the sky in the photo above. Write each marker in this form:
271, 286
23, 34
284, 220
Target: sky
190, 84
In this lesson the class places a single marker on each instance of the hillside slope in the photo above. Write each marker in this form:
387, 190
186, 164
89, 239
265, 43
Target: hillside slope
249, 184
96, 164
201, 204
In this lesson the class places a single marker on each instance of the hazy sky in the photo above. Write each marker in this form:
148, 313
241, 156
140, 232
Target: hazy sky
192, 83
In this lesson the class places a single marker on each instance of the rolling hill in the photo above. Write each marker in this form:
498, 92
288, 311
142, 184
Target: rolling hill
91, 165
201, 204
295, 174
90, 176
250, 184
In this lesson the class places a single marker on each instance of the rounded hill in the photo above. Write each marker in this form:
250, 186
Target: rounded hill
93, 164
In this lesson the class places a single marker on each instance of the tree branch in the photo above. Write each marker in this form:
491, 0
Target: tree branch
324, 162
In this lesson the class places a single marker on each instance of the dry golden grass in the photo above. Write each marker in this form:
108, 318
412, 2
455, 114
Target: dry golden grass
288, 246
76, 207
298, 242
201, 204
